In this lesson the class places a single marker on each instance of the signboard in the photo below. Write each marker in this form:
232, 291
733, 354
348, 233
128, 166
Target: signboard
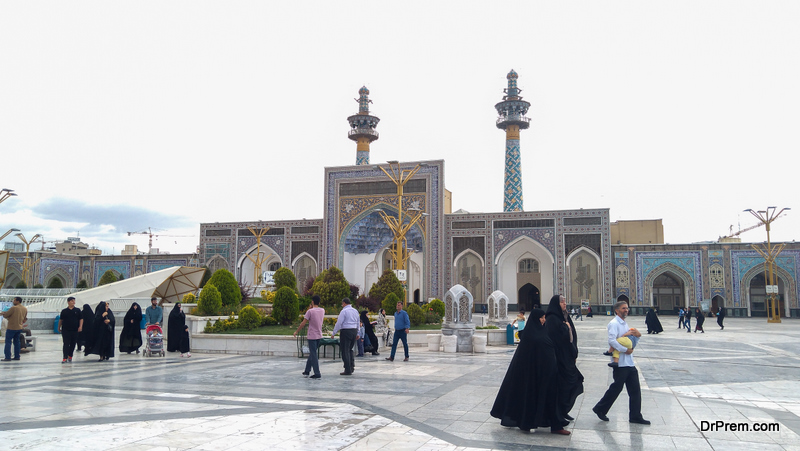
705, 305
772, 289
266, 278
584, 304
401, 274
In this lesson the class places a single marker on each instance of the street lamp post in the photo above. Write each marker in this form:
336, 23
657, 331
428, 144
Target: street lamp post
27, 264
770, 253
5, 193
399, 227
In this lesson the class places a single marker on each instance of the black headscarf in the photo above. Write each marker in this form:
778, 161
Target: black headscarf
565, 341
130, 339
528, 395
175, 324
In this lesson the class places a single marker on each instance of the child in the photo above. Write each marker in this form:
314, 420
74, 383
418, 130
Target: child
628, 340
360, 339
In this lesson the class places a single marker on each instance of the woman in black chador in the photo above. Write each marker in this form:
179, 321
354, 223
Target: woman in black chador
369, 332
103, 332
177, 319
86, 331
527, 397
562, 332
653, 323
698, 321
130, 339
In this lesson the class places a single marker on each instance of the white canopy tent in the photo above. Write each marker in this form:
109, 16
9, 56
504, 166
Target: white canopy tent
170, 284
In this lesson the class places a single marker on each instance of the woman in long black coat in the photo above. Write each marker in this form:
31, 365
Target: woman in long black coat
528, 395
130, 339
653, 323
86, 331
103, 332
176, 321
369, 332
698, 321
565, 340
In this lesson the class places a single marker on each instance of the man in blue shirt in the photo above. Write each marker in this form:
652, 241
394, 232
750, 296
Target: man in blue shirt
624, 374
402, 324
153, 314
347, 326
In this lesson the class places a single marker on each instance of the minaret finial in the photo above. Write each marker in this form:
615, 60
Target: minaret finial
362, 127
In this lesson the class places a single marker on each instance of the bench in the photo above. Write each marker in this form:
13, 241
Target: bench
325, 342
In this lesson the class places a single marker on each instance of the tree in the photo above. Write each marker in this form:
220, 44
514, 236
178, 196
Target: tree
388, 283
331, 286
390, 303
108, 277
82, 284
228, 288
55, 282
416, 315
210, 301
21, 284
206, 277
284, 277
286, 308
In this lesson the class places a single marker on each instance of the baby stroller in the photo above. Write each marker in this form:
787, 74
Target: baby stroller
155, 341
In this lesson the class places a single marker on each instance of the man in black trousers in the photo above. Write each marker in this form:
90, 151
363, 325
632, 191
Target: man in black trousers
69, 324
625, 373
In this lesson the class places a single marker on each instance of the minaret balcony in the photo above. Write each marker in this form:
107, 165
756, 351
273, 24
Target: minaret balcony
513, 119
368, 133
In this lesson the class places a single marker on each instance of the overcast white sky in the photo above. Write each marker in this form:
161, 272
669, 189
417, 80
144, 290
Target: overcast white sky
118, 116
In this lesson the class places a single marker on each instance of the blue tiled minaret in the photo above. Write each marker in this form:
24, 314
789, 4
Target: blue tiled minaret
362, 127
512, 119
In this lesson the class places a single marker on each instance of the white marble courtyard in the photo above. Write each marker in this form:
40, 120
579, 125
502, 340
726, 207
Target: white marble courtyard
746, 374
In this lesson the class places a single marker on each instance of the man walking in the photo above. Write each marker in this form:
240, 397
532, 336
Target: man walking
680, 318
154, 314
16, 316
402, 324
721, 318
314, 317
69, 325
687, 320
625, 373
347, 326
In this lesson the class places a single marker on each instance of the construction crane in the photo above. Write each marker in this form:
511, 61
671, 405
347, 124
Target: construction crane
732, 234
149, 233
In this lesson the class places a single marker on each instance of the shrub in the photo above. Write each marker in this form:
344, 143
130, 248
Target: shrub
21, 284
210, 301
390, 303
206, 277
269, 321
415, 314
249, 318
285, 308
55, 282
107, 278
369, 303
432, 317
228, 288
189, 298
437, 306
388, 283
268, 296
331, 286
284, 277
307, 285
354, 290
303, 302
82, 284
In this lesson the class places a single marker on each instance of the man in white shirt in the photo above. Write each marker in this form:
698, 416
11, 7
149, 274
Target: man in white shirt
347, 326
625, 373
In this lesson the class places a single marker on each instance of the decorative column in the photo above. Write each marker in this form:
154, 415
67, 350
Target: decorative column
362, 127
512, 119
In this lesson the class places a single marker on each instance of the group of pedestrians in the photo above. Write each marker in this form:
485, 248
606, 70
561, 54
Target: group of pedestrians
685, 319
542, 381
94, 331
355, 330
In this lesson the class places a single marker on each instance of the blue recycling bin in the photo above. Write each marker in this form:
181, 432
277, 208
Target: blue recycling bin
509, 334
143, 323
55, 324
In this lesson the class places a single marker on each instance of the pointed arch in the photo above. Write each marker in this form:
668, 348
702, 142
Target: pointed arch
789, 288
679, 273
509, 280
584, 278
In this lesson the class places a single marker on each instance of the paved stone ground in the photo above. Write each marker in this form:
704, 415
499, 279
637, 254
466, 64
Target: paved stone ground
747, 374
